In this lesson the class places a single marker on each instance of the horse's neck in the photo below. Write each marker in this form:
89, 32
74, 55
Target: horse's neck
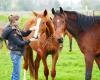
73, 28
50, 26
46, 42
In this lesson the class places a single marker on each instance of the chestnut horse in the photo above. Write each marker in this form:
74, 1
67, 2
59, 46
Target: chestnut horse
1, 39
86, 31
49, 42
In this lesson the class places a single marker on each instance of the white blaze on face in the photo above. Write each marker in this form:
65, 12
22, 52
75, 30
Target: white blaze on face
58, 20
62, 35
37, 27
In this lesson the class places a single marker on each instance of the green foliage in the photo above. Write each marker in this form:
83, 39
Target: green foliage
3, 19
70, 65
27, 5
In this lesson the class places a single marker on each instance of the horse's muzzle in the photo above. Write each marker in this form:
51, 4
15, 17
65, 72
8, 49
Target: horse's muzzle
60, 40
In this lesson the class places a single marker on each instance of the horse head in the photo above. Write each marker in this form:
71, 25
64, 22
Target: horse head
46, 24
59, 24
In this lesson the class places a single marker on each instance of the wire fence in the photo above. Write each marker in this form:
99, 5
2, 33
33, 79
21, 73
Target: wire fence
89, 12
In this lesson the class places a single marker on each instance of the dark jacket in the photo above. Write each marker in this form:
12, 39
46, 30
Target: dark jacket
15, 38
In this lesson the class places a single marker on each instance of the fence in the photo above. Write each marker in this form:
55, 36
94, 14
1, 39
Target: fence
89, 12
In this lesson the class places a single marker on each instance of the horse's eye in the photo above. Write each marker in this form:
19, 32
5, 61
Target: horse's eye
62, 21
43, 22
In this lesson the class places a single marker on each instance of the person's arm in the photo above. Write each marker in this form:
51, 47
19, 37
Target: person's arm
16, 39
24, 34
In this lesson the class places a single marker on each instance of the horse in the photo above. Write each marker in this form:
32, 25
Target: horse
86, 31
70, 40
1, 39
50, 42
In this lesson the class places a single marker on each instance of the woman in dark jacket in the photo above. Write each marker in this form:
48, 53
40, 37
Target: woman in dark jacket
16, 44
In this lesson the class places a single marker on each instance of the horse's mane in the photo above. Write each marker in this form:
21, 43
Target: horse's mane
50, 27
29, 24
71, 12
84, 22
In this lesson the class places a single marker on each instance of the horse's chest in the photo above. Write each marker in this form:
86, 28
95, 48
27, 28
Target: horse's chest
51, 47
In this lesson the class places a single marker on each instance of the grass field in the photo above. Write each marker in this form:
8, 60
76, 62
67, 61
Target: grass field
70, 65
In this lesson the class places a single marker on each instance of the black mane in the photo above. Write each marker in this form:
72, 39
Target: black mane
84, 22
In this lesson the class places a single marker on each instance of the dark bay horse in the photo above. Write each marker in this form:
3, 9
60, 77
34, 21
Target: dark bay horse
86, 31
49, 42
70, 37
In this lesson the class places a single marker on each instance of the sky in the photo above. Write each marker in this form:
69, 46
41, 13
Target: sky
74, 4
69, 1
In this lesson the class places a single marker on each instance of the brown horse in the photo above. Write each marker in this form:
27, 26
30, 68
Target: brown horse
50, 42
70, 39
86, 31
28, 55
1, 39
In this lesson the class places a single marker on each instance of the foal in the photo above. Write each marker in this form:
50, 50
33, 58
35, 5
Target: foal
49, 42
1, 39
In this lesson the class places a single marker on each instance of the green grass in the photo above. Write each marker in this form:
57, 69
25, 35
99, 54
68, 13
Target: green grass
70, 65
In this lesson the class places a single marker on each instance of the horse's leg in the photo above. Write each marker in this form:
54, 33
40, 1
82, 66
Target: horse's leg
89, 58
28, 61
31, 64
54, 61
37, 64
46, 70
97, 60
70, 44
25, 65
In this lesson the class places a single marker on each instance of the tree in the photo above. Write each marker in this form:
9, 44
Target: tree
28, 5
5, 5
25, 5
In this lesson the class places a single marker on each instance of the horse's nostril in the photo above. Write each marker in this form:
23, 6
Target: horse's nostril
60, 40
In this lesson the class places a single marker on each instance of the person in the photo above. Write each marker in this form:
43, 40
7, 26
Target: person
16, 44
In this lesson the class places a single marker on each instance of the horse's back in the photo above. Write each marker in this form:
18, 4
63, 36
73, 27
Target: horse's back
85, 22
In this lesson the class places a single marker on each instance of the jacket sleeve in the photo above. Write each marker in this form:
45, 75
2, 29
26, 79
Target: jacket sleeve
24, 34
6, 32
13, 36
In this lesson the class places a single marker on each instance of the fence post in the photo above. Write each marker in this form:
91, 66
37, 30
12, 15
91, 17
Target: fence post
93, 13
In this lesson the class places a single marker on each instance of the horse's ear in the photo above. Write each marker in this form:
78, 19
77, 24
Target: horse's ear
53, 11
34, 13
45, 12
61, 9
51, 18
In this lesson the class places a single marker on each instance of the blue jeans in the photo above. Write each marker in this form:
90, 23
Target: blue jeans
16, 60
